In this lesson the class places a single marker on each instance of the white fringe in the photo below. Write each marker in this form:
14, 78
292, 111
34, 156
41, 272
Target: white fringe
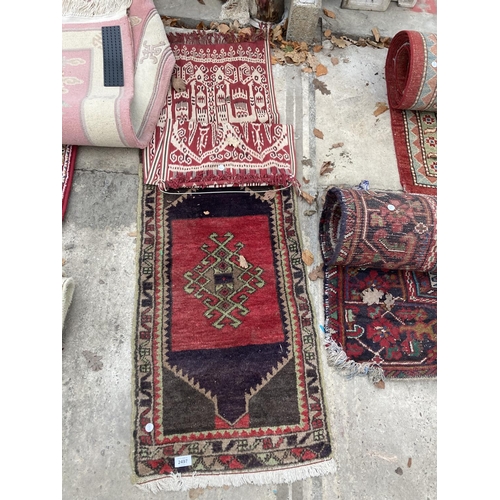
91, 8
349, 368
178, 482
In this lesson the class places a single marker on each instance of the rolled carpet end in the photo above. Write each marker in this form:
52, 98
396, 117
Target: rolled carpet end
411, 71
382, 230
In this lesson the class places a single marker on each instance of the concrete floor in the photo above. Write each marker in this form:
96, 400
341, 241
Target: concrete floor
374, 431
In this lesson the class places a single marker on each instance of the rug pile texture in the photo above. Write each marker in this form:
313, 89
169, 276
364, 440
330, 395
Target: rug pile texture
228, 387
220, 124
411, 76
68, 168
380, 255
116, 68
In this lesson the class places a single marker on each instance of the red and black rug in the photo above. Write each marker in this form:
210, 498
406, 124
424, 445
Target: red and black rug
411, 76
68, 167
227, 362
380, 255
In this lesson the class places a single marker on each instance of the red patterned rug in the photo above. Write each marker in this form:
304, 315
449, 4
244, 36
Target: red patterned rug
227, 364
411, 76
380, 255
68, 167
380, 323
220, 123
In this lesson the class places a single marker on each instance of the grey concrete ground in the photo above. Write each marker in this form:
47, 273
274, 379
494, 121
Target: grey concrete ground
374, 431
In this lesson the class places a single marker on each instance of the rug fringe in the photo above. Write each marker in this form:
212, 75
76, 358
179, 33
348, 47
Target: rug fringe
90, 8
209, 37
350, 368
180, 482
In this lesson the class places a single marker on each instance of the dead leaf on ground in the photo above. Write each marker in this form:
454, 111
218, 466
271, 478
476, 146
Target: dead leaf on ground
335, 60
381, 108
309, 198
399, 471
339, 42
93, 360
318, 133
132, 234
329, 13
327, 33
317, 48
376, 34
206, 212
178, 84
337, 145
243, 262
380, 384
202, 2
269, 195
321, 86
308, 213
307, 257
245, 31
64, 262
304, 180
317, 273
321, 70
326, 168
307, 162
409, 463
307, 70
223, 28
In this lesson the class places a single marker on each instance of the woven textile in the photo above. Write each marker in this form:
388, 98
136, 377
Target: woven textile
68, 167
113, 114
381, 323
384, 230
411, 76
220, 127
227, 366
380, 255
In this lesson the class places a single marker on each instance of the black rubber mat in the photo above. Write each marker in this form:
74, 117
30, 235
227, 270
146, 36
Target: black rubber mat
113, 56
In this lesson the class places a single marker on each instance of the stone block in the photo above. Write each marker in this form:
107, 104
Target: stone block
303, 20
378, 5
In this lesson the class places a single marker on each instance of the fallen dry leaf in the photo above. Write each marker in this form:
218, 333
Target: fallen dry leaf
93, 360
329, 13
64, 262
381, 108
178, 84
376, 34
223, 28
317, 48
307, 257
206, 212
380, 384
202, 2
309, 198
132, 234
337, 145
399, 471
307, 70
243, 262
409, 463
304, 180
327, 33
321, 70
335, 60
317, 273
339, 42
200, 26
318, 133
326, 168
321, 86
308, 213
246, 31
269, 195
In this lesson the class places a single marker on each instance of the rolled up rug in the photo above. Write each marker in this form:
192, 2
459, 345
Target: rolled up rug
411, 77
116, 70
380, 283
68, 168
381, 230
